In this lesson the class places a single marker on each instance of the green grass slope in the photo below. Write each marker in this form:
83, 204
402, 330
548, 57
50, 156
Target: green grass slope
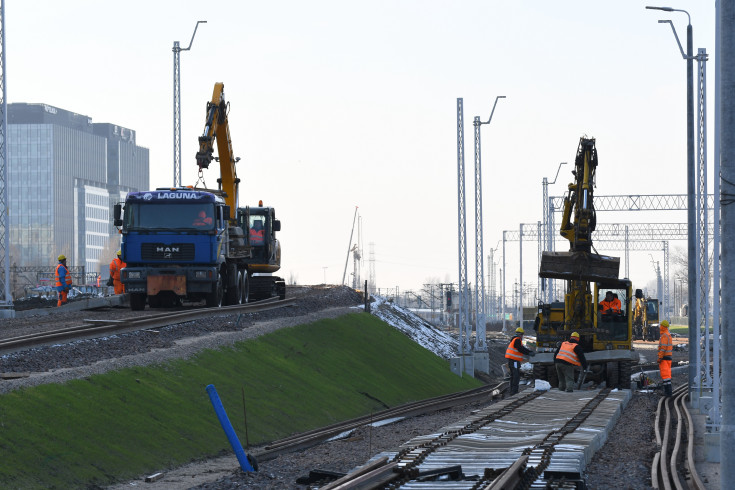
136, 421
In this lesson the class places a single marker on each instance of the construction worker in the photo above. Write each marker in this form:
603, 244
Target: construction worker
639, 316
257, 233
665, 350
202, 219
63, 281
514, 353
568, 356
116, 266
610, 304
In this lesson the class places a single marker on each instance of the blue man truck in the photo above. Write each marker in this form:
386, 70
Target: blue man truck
180, 244
187, 243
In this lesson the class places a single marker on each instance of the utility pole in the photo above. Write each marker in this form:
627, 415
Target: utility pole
6, 298
177, 103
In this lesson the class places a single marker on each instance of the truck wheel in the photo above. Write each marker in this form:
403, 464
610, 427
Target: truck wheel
214, 299
244, 287
137, 301
233, 291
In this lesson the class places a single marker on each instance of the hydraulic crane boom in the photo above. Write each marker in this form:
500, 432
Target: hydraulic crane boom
217, 127
580, 263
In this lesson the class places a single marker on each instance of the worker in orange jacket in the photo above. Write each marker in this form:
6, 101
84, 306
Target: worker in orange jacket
665, 355
116, 266
568, 356
514, 353
63, 281
610, 304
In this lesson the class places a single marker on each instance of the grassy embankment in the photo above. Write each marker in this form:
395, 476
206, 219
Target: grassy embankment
136, 421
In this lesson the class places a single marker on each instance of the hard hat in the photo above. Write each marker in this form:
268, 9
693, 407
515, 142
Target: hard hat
519, 330
62, 257
574, 335
664, 324
119, 252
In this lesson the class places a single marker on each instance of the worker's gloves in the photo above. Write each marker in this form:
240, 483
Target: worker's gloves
532, 354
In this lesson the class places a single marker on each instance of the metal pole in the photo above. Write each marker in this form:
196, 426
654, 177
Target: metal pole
692, 222
463, 321
546, 298
177, 104
6, 298
727, 163
480, 335
627, 254
520, 288
715, 420
503, 276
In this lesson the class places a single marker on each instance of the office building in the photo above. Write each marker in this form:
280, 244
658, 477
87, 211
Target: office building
64, 175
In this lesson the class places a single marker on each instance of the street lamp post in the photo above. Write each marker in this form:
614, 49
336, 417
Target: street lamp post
691, 202
480, 312
177, 104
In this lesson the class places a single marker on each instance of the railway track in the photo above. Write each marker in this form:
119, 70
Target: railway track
310, 438
99, 328
476, 453
674, 462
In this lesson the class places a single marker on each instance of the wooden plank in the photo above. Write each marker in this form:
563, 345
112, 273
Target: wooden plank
14, 375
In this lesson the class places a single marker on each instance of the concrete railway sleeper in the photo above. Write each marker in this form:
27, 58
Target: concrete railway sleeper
671, 464
530, 470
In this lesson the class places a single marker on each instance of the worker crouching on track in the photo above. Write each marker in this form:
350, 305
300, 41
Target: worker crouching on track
568, 356
514, 353
63, 281
116, 266
665, 351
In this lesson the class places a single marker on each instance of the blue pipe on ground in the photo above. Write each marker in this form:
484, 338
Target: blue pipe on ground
229, 431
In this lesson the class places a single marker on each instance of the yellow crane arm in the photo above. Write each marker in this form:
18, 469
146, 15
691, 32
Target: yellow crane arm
217, 127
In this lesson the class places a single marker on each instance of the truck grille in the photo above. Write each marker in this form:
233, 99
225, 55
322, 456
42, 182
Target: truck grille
174, 252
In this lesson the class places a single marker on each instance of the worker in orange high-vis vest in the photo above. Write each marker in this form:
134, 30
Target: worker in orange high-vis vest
568, 356
514, 353
116, 266
665, 351
63, 281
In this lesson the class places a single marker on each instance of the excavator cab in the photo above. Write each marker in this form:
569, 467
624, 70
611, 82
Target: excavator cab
613, 320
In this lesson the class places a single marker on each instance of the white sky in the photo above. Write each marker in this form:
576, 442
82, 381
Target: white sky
337, 104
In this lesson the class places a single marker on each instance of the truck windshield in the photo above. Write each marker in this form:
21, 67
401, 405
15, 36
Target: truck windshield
175, 216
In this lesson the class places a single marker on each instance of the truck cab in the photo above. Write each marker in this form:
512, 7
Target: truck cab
175, 243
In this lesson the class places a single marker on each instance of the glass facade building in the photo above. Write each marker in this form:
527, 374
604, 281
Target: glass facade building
64, 174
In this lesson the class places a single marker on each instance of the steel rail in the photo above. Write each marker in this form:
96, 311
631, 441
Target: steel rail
310, 438
408, 459
95, 330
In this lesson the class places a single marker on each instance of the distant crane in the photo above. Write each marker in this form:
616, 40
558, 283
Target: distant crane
349, 247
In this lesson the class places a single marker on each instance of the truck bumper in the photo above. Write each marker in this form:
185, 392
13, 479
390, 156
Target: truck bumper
181, 281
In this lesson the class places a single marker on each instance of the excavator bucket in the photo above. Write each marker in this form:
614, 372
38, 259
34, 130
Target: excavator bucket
580, 266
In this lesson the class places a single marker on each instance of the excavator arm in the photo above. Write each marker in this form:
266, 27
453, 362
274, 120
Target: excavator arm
217, 128
580, 263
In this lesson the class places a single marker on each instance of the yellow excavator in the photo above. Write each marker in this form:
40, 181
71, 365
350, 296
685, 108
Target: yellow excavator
605, 333
255, 250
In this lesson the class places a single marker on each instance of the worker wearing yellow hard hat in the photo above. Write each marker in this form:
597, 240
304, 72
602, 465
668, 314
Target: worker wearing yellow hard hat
514, 353
665, 356
63, 281
568, 356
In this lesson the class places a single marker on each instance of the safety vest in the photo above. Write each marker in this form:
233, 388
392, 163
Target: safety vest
511, 352
665, 346
115, 266
66, 273
566, 353
613, 304
257, 237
